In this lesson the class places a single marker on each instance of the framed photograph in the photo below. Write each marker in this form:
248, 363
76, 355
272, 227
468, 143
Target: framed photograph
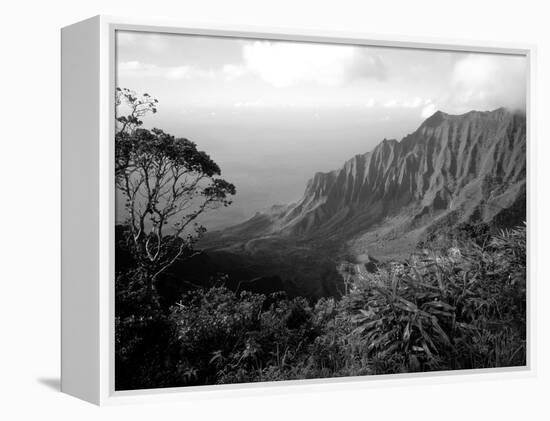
246, 208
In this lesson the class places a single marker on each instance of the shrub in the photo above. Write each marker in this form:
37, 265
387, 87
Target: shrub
462, 310
227, 337
458, 308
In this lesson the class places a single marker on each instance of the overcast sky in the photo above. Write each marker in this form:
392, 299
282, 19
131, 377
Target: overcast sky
273, 113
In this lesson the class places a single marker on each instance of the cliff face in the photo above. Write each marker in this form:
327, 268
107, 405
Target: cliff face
470, 165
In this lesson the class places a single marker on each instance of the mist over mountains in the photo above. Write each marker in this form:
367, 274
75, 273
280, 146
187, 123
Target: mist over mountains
452, 169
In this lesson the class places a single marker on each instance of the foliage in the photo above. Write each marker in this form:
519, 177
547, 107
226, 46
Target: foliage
462, 310
459, 235
454, 309
167, 183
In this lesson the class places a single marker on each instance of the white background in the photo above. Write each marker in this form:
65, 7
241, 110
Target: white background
29, 215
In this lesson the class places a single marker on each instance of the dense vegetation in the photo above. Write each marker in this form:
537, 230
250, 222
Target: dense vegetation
457, 304
459, 308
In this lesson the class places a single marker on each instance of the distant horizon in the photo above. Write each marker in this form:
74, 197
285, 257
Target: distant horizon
271, 114
512, 111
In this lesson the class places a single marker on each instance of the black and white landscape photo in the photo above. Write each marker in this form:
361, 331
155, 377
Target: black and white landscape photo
291, 210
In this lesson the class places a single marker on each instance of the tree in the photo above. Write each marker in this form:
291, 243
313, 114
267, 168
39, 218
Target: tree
127, 125
167, 184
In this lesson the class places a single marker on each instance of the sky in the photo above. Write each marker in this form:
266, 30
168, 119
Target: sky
273, 113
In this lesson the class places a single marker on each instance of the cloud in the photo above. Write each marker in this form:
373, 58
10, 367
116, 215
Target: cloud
280, 64
124, 38
147, 41
371, 102
233, 71
283, 64
485, 81
415, 102
428, 110
138, 69
249, 104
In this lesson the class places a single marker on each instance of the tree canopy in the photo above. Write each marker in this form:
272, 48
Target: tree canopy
167, 183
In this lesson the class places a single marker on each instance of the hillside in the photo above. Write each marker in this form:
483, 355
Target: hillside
453, 168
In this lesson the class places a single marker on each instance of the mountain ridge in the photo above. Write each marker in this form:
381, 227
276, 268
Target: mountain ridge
472, 164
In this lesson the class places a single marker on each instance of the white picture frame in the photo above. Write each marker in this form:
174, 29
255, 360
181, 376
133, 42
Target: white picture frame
88, 84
